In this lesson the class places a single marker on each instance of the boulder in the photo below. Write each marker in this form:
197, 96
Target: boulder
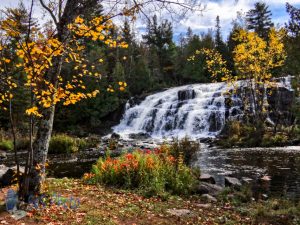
247, 180
2, 155
207, 188
208, 198
7, 178
115, 136
179, 212
207, 178
232, 182
7, 175
139, 136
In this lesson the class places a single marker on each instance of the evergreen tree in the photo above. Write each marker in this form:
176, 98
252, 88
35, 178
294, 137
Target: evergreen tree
292, 44
218, 37
259, 19
159, 40
220, 45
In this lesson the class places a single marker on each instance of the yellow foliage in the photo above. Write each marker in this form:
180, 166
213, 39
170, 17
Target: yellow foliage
33, 111
36, 55
254, 59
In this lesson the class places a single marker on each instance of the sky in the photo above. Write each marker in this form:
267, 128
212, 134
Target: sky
225, 9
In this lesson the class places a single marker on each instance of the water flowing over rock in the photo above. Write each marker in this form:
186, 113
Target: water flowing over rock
197, 110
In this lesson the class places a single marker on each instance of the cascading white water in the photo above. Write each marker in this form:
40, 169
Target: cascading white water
197, 111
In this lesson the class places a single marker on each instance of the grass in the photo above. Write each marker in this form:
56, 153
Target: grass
101, 205
6, 145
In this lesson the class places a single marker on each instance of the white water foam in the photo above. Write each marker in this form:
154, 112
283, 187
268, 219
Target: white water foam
197, 111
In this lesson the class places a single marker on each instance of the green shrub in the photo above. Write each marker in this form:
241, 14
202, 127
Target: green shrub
86, 143
6, 145
188, 148
82, 144
274, 140
239, 134
153, 173
276, 211
61, 143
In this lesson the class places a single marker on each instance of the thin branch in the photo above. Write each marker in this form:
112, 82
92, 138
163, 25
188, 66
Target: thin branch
50, 12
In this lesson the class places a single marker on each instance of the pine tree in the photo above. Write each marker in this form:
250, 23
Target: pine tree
220, 45
218, 37
159, 39
292, 42
259, 19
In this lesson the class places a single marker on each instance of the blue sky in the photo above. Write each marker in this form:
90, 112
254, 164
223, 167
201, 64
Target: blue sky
226, 9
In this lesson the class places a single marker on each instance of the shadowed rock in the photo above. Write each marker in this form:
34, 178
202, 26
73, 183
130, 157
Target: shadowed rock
207, 188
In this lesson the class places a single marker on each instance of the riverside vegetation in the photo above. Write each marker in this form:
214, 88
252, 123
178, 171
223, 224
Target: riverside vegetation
81, 53
153, 187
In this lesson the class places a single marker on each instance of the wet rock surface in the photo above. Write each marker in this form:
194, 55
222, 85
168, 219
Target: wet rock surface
207, 188
232, 182
207, 178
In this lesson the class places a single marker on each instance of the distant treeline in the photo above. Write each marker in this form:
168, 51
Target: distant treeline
156, 62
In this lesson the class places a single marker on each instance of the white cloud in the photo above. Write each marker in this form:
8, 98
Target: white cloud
225, 9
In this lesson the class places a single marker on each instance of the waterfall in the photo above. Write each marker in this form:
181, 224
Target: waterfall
194, 110
197, 111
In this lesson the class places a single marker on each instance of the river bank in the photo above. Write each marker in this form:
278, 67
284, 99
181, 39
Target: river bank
102, 205
281, 164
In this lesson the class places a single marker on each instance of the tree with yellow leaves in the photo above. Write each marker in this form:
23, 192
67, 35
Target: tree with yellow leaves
254, 59
39, 53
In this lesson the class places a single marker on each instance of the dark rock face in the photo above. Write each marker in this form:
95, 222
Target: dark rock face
186, 95
139, 136
214, 122
115, 136
136, 100
280, 102
281, 97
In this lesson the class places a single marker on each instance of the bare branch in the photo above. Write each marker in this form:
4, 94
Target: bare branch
50, 12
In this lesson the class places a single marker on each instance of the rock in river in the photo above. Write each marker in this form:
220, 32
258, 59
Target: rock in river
207, 178
207, 188
232, 182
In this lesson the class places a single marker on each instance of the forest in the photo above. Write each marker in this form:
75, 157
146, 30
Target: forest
152, 63
77, 75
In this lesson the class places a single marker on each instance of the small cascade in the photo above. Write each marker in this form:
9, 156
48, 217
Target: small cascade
197, 111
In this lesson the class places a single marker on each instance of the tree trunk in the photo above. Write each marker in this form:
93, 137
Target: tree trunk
40, 150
